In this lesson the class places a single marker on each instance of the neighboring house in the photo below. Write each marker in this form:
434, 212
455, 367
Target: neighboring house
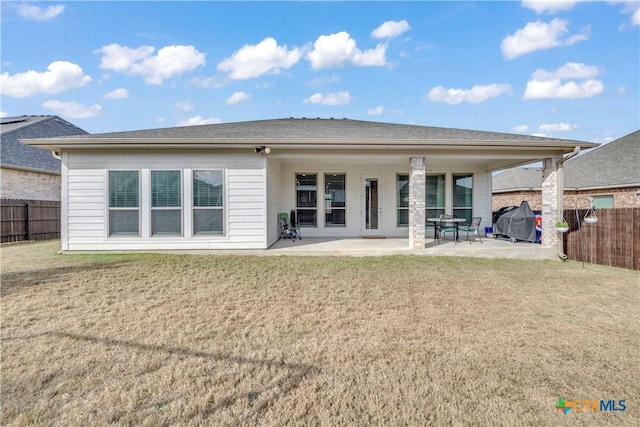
222, 186
30, 173
608, 176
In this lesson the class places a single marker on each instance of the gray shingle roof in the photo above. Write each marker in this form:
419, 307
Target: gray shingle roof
611, 165
294, 129
14, 153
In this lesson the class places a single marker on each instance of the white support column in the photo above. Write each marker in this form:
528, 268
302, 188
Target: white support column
417, 192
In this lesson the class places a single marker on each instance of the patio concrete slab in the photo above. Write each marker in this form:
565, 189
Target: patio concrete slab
489, 248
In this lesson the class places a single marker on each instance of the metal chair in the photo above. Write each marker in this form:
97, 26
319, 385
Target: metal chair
446, 225
474, 228
288, 229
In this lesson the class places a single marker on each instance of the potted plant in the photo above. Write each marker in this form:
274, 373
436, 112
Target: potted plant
562, 226
591, 218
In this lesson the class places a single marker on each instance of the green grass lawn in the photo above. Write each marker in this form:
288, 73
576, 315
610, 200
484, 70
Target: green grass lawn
141, 339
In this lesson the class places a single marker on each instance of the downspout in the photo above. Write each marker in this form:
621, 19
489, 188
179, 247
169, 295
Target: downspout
560, 189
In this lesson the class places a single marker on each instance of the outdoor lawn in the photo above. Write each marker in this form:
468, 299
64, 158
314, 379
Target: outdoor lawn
159, 339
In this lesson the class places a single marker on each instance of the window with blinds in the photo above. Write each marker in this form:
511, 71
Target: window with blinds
166, 202
208, 202
124, 203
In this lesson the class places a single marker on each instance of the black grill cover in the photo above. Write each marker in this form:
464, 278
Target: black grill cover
519, 224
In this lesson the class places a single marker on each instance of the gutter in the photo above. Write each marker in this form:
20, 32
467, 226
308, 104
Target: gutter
560, 198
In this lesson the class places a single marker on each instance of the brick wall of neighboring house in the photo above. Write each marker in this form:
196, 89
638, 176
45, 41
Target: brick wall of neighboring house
23, 185
622, 198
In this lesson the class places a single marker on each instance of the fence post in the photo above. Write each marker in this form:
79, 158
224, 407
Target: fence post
26, 221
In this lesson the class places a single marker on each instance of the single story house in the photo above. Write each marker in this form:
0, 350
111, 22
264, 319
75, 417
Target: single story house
607, 176
221, 186
30, 173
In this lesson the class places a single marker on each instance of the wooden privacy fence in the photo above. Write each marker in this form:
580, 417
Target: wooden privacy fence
29, 220
614, 240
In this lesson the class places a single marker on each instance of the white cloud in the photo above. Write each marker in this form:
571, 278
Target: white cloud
635, 18
570, 70
60, 76
390, 29
120, 93
339, 49
336, 98
556, 127
255, 60
539, 36
521, 128
550, 6
3, 114
197, 120
555, 89
550, 85
237, 98
377, 111
168, 62
36, 13
475, 95
183, 105
73, 110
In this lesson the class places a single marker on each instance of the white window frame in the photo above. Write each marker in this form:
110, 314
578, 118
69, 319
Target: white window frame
193, 207
324, 206
166, 208
109, 208
295, 195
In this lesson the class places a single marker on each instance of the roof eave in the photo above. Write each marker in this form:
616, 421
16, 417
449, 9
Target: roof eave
61, 144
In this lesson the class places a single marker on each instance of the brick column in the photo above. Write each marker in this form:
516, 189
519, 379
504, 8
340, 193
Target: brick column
550, 194
417, 192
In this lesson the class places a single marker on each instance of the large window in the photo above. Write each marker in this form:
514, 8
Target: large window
307, 199
335, 194
435, 203
463, 196
208, 202
166, 203
124, 203
402, 200
434, 198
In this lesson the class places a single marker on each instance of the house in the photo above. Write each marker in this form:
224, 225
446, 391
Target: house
31, 173
608, 176
222, 186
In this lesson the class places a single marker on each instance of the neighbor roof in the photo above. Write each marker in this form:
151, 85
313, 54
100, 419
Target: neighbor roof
13, 153
611, 165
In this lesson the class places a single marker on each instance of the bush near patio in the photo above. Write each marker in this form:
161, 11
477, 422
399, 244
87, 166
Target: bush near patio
149, 339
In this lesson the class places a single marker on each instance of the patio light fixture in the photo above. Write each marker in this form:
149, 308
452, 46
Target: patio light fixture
262, 149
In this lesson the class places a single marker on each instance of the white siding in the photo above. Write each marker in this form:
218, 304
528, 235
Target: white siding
85, 221
274, 189
87, 200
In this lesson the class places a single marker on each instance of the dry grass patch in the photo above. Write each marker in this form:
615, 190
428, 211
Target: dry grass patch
235, 340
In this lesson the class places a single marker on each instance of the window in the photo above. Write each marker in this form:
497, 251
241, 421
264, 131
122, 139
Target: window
166, 203
435, 202
306, 199
335, 200
208, 202
603, 202
124, 203
402, 200
463, 196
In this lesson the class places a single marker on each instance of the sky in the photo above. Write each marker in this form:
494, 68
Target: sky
564, 69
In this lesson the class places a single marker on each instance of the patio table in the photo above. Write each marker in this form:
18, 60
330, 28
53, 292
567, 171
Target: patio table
454, 221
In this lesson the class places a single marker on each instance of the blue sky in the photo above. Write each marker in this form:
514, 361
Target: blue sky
564, 69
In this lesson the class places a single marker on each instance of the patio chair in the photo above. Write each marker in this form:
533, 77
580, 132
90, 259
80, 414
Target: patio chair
472, 228
288, 229
446, 225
